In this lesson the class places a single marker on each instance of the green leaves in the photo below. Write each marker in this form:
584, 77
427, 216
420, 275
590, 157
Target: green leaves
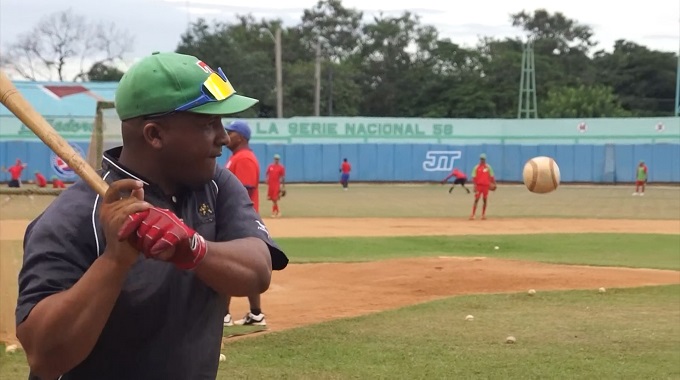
394, 65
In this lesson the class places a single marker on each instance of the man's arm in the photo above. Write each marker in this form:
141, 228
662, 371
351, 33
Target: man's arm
238, 268
62, 329
63, 304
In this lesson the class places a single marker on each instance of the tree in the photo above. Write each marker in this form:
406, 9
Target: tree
62, 40
337, 29
100, 72
555, 32
643, 79
582, 101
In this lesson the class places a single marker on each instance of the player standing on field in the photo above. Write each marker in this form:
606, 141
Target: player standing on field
15, 173
276, 174
40, 179
345, 168
461, 179
483, 179
243, 163
640, 178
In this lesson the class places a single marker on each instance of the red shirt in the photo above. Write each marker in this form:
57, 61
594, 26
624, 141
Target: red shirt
346, 167
482, 174
274, 173
40, 180
456, 173
15, 171
245, 167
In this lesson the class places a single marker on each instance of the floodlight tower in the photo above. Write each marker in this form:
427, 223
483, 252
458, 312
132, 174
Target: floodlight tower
527, 107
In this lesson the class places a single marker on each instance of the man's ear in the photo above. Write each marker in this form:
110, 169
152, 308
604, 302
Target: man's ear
153, 134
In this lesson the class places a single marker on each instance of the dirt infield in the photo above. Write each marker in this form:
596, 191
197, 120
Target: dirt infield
310, 293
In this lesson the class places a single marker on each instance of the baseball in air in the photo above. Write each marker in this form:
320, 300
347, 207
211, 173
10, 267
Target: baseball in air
541, 175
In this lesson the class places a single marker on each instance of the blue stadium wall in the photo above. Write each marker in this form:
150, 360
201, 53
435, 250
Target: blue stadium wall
600, 150
609, 163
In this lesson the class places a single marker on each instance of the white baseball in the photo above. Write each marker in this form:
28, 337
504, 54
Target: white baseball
602, 290
11, 348
532, 292
510, 339
469, 318
222, 357
541, 175
496, 248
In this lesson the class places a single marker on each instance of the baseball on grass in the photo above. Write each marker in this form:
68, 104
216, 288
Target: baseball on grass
541, 175
602, 290
11, 348
510, 339
497, 248
469, 318
222, 357
532, 292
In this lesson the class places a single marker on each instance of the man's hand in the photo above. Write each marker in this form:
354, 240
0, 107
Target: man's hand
161, 235
115, 211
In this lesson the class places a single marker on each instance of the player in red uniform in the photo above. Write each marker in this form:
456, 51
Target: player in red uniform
243, 162
483, 178
461, 179
275, 181
244, 165
57, 183
345, 168
15, 173
640, 178
40, 179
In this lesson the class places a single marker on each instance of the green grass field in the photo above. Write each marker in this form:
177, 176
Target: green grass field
631, 333
428, 200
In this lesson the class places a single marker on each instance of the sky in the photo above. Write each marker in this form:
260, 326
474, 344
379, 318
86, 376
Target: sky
157, 24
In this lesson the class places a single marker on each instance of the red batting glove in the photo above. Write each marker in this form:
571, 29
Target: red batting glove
159, 230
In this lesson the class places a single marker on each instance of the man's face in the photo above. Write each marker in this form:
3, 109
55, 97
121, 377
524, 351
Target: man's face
235, 139
276, 161
189, 145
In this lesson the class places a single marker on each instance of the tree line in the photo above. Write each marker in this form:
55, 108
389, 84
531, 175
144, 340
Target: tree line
399, 67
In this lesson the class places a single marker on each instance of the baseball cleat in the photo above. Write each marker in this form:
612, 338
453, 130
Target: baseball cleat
252, 320
228, 321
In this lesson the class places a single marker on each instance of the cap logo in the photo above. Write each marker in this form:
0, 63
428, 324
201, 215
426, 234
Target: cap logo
204, 66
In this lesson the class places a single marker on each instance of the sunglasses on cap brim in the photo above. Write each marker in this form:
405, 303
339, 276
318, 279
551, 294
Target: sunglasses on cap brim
215, 88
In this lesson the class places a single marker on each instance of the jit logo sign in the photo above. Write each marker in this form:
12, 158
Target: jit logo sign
440, 160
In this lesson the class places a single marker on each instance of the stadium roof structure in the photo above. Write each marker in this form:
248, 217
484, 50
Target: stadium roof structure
64, 99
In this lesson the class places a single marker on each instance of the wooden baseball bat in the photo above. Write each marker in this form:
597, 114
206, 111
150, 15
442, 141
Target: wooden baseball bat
11, 98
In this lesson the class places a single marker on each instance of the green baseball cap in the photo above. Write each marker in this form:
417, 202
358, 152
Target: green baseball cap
163, 82
277, 156
483, 156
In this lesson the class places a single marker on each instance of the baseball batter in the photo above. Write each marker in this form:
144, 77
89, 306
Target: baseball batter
132, 285
483, 179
